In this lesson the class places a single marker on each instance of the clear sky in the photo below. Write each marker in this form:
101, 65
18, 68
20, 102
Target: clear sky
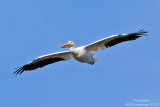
127, 71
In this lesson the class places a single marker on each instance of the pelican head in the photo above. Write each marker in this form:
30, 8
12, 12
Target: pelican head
68, 45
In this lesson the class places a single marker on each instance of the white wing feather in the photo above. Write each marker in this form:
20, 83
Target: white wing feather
113, 40
44, 60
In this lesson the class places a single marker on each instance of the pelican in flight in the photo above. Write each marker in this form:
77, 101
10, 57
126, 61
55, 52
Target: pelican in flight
82, 54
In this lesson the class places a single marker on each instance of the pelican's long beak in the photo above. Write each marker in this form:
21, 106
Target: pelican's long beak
65, 45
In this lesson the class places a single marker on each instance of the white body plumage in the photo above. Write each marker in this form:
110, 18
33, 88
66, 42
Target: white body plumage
81, 54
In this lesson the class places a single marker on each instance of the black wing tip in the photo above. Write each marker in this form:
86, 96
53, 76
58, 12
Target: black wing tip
19, 71
141, 33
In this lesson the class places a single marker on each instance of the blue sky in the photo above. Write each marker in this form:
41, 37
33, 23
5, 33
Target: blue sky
31, 28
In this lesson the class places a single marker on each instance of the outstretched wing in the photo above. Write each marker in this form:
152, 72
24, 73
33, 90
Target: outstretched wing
113, 40
44, 60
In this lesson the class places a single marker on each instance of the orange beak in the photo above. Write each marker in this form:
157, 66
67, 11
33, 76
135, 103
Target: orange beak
65, 45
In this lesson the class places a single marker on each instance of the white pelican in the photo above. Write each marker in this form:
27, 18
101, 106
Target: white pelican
82, 54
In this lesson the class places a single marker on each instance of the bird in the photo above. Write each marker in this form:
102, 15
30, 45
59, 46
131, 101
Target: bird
83, 54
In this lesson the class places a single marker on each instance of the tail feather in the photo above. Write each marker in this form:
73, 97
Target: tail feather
95, 59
